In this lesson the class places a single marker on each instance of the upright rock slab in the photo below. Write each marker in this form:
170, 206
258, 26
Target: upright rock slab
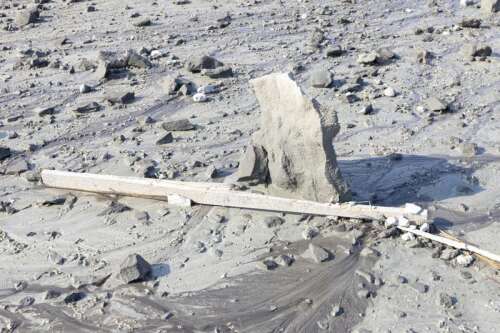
490, 6
293, 150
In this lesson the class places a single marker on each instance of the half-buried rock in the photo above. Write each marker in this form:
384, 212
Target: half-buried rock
292, 153
134, 268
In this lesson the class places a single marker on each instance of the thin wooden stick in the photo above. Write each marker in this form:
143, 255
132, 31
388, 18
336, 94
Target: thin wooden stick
216, 195
454, 243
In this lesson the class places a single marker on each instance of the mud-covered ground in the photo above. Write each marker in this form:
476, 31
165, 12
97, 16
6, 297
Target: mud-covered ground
59, 258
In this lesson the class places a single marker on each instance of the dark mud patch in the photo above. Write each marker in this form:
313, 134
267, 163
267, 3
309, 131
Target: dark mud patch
298, 298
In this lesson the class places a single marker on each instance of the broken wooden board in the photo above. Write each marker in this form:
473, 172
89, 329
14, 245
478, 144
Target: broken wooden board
216, 194
454, 243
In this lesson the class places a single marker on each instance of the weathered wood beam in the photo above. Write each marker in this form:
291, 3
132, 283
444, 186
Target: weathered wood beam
454, 243
216, 194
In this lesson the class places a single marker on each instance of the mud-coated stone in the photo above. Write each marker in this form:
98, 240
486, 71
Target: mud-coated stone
293, 151
134, 268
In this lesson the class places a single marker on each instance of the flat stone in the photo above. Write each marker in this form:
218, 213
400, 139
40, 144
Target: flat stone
178, 125
434, 104
165, 139
87, 108
134, 268
218, 73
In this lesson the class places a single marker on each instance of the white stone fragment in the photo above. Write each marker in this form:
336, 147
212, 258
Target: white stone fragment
390, 222
208, 89
425, 227
464, 259
200, 98
403, 222
412, 208
408, 237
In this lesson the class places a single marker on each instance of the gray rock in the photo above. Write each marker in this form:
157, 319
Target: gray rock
134, 268
367, 58
27, 16
273, 221
446, 300
121, 97
468, 149
195, 64
294, 132
316, 253
284, 260
334, 51
434, 104
55, 258
87, 108
477, 50
16, 167
218, 73
43, 111
267, 264
4, 153
470, 23
321, 78
211, 172
419, 287
172, 84
165, 139
136, 60
178, 125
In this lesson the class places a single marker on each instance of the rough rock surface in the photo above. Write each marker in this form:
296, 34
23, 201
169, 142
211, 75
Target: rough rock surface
295, 141
134, 268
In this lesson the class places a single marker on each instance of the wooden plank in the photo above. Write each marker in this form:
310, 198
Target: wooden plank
454, 243
215, 194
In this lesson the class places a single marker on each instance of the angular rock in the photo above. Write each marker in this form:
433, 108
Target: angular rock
43, 111
321, 78
121, 97
167, 138
195, 64
434, 104
4, 153
173, 84
294, 142
178, 125
27, 16
87, 108
136, 60
316, 253
253, 165
477, 50
134, 268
